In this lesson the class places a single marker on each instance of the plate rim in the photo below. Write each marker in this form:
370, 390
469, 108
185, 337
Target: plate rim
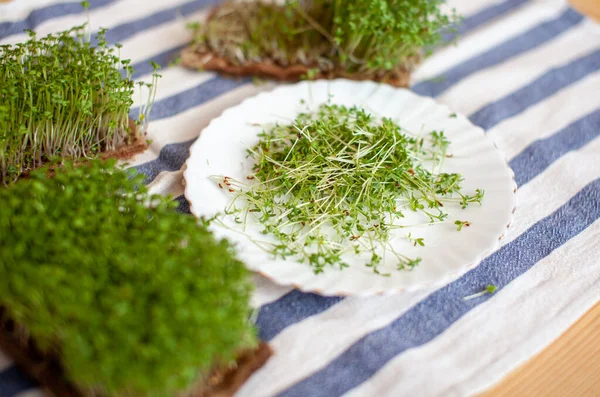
437, 283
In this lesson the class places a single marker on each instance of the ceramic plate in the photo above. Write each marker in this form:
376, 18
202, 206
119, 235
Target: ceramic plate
447, 254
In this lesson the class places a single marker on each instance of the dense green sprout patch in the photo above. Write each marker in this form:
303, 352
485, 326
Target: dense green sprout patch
338, 182
136, 300
368, 37
62, 96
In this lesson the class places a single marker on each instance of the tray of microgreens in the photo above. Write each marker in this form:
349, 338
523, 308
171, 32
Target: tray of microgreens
64, 97
351, 188
378, 40
105, 289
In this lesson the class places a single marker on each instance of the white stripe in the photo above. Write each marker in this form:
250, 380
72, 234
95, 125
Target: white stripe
464, 362
542, 120
453, 357
18, 10
556, 186
312, 343
498, 81
173, 81
161, 38
466, 8
5, 362
266, 291
187, 125
542, 314
115, 14
351, 319
494, 33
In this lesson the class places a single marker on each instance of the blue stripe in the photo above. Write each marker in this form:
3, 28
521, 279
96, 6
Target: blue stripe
483, 17
171, 158
13, 381
433, 315
536, 36
290, 309
192, 97
163, 59
184, 206
536, 91
41, 15
488, 14
541, 154
530, 163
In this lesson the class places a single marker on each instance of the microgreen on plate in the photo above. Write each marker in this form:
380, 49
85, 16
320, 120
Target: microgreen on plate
290, 140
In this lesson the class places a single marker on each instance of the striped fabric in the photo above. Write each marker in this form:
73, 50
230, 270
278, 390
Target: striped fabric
528, 72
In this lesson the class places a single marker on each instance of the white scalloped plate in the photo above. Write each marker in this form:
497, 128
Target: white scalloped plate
221, 150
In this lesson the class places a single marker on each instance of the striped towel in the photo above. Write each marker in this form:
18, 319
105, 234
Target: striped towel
528, 72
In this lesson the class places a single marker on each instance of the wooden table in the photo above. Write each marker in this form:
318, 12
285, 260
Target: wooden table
571, 365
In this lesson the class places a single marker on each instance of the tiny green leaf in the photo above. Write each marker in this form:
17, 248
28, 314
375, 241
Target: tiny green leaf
489, 289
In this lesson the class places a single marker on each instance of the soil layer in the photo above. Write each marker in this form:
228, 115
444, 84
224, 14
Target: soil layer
46, 368
193, 59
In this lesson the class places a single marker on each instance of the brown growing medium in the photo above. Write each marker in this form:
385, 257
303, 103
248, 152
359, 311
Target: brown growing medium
198, 60
127, 151
200, 57
46, 369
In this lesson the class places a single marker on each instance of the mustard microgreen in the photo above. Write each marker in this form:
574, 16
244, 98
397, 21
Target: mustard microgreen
339, 180
61, 96
362, 36
489, 289
134, 298
461, 224
416, 240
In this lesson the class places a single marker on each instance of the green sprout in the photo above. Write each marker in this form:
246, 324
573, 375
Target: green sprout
62, 97
339, 180
134, 298
311, 74
416, 241
461, 224
489, 289
372, 38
